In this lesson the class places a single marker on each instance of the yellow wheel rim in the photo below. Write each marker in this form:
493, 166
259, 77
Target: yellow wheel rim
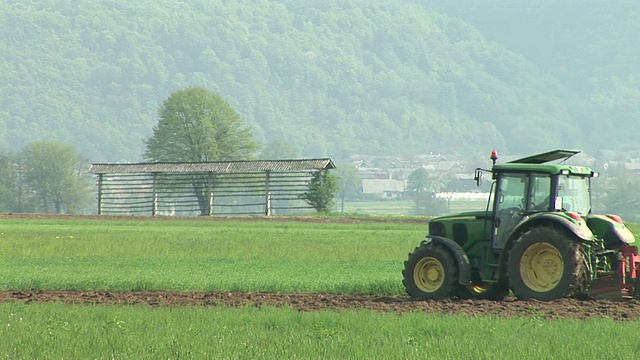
429, 274
541, 267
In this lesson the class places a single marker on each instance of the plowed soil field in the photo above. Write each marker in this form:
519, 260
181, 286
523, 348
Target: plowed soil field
511, 307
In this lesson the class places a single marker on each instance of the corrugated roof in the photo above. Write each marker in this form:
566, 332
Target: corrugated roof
216, 167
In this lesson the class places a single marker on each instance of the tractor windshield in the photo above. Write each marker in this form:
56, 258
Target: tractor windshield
574, 194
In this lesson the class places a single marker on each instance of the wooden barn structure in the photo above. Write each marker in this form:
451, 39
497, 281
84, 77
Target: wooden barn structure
262, 187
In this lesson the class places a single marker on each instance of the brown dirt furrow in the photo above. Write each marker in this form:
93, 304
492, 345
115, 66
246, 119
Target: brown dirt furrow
562, 308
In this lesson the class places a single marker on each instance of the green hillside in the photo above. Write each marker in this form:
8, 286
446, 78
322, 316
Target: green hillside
331, 78
591, 46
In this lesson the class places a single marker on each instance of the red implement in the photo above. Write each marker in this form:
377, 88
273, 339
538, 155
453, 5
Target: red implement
624, 282
630, 270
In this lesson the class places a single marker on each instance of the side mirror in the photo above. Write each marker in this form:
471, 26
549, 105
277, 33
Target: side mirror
479, 175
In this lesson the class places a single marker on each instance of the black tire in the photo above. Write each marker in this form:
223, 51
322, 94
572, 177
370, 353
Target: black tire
547, 263
431, 273
483, 290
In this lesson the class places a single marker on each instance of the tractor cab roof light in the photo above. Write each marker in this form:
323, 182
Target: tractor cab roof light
494, 156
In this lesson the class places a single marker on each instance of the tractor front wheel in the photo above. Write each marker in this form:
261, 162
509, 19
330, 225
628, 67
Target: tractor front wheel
430, 272
546, 263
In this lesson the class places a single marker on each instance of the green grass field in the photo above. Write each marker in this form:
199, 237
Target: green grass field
60, 331
181, 255
205, 255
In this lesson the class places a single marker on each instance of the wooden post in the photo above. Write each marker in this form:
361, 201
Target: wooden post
210, 192
267, 201
154, 208
100, 194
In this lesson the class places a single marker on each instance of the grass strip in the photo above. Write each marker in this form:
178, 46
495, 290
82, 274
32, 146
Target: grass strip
57, 331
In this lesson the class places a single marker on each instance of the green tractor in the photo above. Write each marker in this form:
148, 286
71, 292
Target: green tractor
537, 238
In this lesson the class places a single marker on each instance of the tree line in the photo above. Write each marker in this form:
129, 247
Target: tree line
198, 125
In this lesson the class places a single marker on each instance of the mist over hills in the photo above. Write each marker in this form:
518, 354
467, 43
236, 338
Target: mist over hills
330, 78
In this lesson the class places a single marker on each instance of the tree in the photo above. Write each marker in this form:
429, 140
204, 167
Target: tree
417, 183
55, 179
198, 125
323, 187
423, 190
9, 185
349, 182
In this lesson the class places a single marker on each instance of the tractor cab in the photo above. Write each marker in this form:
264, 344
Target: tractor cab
528, 187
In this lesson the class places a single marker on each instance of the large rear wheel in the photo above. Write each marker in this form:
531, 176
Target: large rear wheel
546, 263
430, 272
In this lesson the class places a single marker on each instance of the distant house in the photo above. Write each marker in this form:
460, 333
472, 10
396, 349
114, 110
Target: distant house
385, 188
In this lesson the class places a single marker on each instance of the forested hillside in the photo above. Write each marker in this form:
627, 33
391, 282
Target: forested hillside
329, 78
592, 47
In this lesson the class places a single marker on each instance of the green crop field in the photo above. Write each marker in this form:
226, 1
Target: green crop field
205, 255
61, 331
270, 256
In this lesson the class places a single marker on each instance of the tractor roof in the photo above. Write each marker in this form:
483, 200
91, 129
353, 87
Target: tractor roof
538, 163
546, 157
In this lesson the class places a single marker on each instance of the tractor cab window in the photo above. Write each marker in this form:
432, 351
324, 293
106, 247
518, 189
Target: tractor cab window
512, 191
574, 194
541, 193
510, 203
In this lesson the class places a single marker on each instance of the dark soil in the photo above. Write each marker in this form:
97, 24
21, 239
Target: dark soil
562, 308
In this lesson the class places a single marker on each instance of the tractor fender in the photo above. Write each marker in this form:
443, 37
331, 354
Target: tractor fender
613, 233
579, 229
464, 267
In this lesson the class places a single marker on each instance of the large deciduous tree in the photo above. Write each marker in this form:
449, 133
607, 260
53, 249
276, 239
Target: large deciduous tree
198, 125
55, 178
195, 125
